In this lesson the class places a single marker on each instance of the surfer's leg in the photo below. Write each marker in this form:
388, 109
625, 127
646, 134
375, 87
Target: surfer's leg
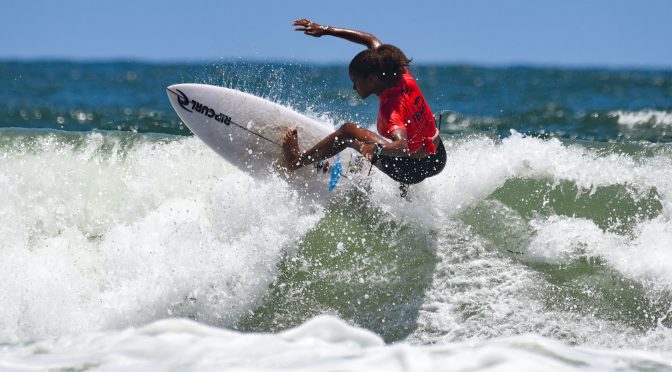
348, 135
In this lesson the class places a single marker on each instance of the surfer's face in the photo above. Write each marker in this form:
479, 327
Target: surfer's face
365, 85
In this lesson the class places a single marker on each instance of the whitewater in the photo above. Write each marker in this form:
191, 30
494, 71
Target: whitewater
124, 252
126, 244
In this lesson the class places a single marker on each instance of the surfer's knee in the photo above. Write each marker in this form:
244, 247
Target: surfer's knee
348, 129
348, 126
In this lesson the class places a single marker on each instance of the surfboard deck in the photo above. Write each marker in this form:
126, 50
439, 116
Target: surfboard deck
247, 131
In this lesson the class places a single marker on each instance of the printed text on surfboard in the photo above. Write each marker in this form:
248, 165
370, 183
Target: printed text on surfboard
193, 105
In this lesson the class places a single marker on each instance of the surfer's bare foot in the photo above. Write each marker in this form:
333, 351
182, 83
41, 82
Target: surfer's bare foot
290, 149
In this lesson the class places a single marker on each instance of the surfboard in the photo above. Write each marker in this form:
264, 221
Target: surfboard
247, 131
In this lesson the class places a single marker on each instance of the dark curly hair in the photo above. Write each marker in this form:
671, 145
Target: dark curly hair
387, 61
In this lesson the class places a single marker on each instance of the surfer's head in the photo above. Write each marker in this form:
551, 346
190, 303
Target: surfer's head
385, 63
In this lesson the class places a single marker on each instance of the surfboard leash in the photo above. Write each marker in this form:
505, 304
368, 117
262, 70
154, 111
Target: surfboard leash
256, 134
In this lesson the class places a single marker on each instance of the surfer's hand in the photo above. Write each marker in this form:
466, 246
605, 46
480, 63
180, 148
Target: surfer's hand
367, 149
309, 27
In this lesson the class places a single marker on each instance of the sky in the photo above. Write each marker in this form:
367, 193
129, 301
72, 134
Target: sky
612, 33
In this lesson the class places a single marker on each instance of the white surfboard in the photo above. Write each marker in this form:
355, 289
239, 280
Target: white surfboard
247, 131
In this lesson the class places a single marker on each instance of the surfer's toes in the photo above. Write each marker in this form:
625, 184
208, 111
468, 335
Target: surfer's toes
290, 149
291, 139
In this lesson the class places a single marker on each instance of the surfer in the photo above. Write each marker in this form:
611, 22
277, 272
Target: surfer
407, 147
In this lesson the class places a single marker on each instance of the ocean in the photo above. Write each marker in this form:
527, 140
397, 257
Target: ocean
128, 245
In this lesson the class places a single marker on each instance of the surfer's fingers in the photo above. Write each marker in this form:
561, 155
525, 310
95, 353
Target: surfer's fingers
302, 22
308, 31
308, 27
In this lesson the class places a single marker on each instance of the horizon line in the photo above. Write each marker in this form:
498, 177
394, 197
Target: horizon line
291, 61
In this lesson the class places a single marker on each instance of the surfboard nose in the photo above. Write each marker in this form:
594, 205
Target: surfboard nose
172, 89
176, 93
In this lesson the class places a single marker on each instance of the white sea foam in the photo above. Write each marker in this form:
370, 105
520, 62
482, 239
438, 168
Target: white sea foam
651, 118
481, 293
102, 235
478, 166
95, 237
321, 344
561, 240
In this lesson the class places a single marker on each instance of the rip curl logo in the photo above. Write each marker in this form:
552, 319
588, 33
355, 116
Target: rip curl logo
193, 105
182, 99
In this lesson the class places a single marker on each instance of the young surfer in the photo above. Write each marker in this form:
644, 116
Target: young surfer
407, 147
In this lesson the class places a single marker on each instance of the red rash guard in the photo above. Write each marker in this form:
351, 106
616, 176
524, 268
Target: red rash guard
404, 107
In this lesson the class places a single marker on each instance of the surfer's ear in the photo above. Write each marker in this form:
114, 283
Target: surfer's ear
375, 82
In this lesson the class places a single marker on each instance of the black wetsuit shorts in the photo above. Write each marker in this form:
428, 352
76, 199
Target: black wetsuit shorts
409, 170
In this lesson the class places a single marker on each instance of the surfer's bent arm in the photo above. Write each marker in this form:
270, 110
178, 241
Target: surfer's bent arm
398, 147
317, 30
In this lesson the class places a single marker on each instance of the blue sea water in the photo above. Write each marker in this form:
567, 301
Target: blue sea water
544, 244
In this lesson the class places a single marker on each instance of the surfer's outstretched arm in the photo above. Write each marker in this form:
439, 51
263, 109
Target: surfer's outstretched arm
317, 30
